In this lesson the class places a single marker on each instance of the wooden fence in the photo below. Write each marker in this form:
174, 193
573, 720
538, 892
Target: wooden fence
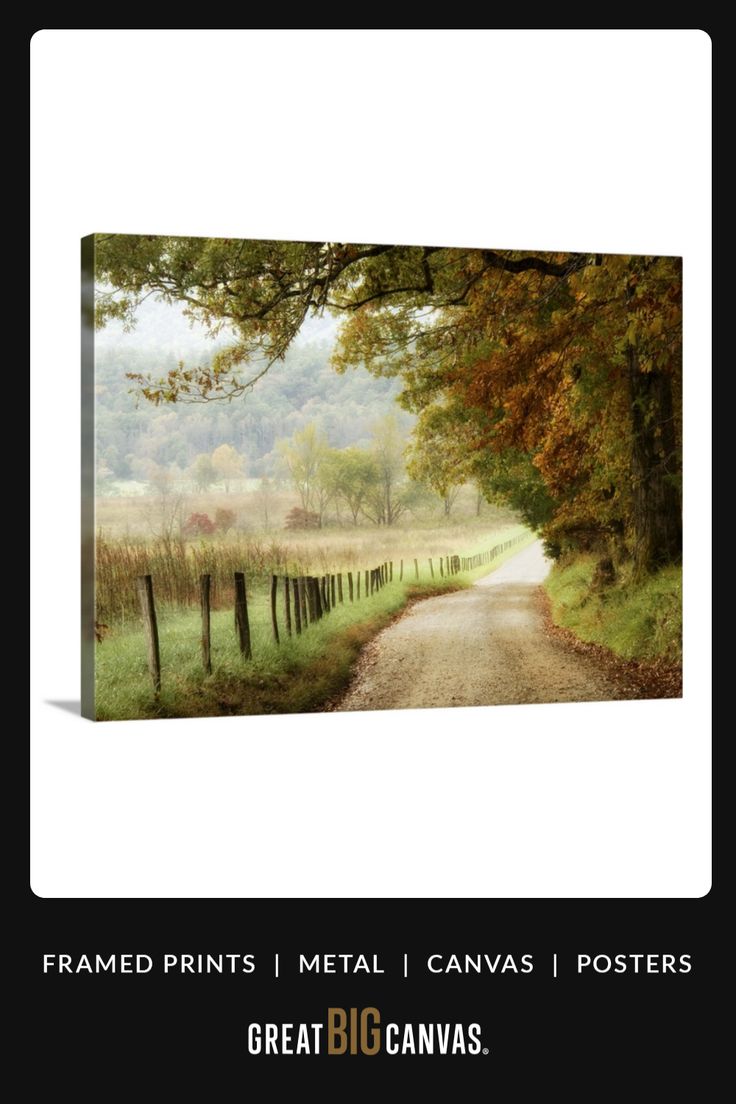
304, 599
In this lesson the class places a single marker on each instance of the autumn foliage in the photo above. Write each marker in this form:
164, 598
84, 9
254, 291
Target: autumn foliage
199, 525
224, 519
299, 518
551, 379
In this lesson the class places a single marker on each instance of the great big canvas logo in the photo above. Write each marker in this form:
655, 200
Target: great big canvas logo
360, 1031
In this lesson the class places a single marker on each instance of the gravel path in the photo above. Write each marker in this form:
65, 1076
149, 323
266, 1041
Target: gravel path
481, 646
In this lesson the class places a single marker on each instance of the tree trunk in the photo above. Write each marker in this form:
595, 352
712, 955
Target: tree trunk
657, 518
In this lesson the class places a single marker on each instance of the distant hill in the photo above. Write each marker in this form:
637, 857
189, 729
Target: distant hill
304, 388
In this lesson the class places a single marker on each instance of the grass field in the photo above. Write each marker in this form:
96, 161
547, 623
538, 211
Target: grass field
636, 620
176, 562
302, 673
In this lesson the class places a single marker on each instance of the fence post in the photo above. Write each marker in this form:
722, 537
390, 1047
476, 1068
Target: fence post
401, 571
339, 588
241, 616
366, 583
317, 599
144, 585
431, 567
204, 604
350, 585
416, 568
442, 570
274, 595
297, 607
287, 605
357, 589
303, 600
332, 590
391, 571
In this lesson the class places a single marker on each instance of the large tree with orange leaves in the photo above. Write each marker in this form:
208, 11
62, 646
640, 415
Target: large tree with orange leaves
559, 373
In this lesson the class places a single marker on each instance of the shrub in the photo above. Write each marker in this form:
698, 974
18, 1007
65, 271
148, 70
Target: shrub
224, 519
302, 519
199, 525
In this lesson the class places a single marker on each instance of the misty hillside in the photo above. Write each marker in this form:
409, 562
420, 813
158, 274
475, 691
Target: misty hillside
304, 388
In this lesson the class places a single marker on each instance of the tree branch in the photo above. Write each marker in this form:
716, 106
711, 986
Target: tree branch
538, 264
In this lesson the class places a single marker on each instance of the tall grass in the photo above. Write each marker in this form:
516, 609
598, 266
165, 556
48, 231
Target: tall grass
176, 563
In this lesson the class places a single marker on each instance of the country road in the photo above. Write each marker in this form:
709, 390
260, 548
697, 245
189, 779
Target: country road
482, 646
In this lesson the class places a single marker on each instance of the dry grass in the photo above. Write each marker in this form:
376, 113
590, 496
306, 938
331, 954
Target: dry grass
139, 536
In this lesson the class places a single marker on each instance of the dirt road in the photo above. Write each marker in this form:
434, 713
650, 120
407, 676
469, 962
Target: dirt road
481, 646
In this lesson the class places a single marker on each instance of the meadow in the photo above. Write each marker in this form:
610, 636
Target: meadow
302, 672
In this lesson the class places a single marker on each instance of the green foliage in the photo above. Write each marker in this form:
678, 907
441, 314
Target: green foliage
202, 472
304, 456
351, 477
510, 477
389, 499
438, 456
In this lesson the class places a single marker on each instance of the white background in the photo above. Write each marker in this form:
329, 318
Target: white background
509, 139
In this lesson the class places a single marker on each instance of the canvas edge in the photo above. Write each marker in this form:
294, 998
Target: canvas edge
88, 478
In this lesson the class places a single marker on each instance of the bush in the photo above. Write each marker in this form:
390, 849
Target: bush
224, 519
302, 519
199, 525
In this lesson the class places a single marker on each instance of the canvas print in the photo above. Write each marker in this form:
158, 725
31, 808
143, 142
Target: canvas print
352, 476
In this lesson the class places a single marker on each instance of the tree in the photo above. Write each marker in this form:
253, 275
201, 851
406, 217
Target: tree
160, 478
438, 455
224, 519
228, 464
566, 362
387, 452
202, 472
303, 456
264, 498
351, 476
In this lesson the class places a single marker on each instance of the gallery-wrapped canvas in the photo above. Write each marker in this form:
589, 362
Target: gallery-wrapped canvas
340, 476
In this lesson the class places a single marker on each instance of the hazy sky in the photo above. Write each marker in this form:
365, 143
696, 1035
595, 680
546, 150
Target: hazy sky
165, 327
